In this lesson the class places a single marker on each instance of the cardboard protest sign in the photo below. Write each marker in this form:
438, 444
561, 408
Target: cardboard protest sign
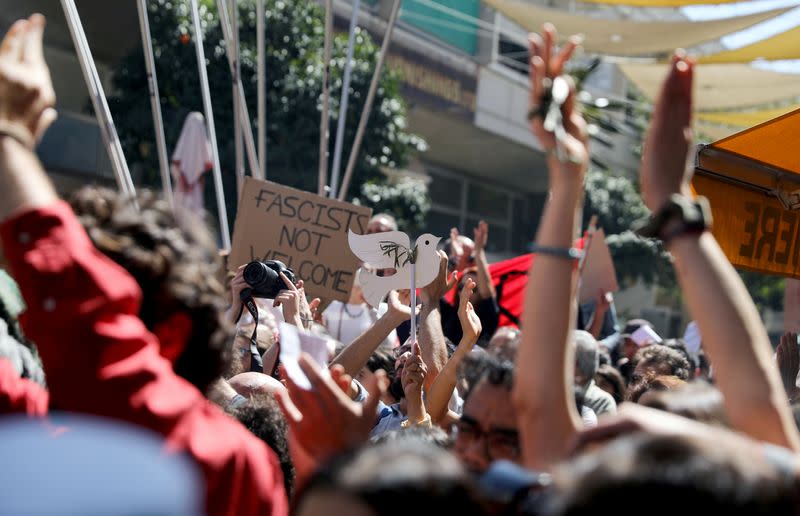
598, 273
301, 229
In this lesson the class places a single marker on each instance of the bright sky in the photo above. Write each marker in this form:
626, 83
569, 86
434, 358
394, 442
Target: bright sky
758, 32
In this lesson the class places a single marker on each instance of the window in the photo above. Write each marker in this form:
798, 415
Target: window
508, 213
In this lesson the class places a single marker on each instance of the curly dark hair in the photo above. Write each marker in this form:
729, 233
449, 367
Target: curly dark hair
263, 417
664, 361
174, 259
653, 383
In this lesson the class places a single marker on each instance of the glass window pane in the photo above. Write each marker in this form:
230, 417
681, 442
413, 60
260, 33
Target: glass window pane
487, 202
445, 191
439, 224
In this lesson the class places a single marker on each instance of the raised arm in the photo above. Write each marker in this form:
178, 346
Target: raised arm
355, 356
485, 285
733, 334
28, 100
543, 392
431, 338
442, 390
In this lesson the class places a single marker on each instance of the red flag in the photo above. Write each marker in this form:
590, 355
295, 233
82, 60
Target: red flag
510, 278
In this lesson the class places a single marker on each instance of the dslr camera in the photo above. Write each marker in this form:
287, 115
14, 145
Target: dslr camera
263, 278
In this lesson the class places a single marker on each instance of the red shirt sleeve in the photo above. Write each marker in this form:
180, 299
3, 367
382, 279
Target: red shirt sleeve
18, 394
100, 359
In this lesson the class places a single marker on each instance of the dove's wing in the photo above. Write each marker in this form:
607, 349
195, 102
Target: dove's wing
372, 249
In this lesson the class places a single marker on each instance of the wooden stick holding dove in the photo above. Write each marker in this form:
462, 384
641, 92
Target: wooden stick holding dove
416, 266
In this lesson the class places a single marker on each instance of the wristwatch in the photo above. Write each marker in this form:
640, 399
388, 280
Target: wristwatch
679, 216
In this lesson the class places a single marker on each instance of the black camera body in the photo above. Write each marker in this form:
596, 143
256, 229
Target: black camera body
263, 278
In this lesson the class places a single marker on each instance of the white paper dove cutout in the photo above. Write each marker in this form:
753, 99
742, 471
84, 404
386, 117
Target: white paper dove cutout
392, 251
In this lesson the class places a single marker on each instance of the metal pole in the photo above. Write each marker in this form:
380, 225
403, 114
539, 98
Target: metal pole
237, 71
106, 124
336, 170
326, 94
262, 86
212, 133
413, 332
244, 114
373, 87
155, 104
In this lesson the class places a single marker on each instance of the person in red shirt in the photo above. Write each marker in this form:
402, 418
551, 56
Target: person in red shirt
85, 312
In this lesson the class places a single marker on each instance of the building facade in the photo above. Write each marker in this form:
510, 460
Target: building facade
464, 79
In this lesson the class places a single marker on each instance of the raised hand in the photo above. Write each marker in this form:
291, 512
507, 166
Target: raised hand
545, 66
481, 236
290, 301
26, 90
443, 283
308, 310
399, 308
413, 377
788, 359
413, 380
324, 420
237, 285
664, 169
470, 322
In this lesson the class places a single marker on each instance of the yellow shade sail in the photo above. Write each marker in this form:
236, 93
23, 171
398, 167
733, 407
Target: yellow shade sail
785, 45
720, 86
707, 132
743, 119
627, 37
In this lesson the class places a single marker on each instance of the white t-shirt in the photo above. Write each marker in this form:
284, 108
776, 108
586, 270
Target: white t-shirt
346, 322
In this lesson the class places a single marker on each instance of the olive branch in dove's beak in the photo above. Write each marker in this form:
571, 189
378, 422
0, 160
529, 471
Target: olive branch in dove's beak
402, 255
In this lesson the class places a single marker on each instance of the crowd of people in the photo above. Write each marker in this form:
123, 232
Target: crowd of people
127, 319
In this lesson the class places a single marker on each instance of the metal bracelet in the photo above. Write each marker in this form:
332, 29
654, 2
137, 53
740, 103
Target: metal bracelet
567, 253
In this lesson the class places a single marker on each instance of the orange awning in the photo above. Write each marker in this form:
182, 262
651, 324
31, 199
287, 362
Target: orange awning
752, 179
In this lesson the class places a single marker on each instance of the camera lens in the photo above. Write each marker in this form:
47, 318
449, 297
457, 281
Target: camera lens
255, 273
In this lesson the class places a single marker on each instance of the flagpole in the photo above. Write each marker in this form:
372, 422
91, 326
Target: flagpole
97, 96
237, 71
212, 133
262, 86
244, 113
373, 88
336, 169
155, 103
326, 93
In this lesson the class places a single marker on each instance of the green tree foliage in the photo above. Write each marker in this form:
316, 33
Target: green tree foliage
294, 41
406, 199
765, 289
618, 206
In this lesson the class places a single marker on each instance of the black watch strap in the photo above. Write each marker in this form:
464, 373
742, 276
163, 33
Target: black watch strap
679, 216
